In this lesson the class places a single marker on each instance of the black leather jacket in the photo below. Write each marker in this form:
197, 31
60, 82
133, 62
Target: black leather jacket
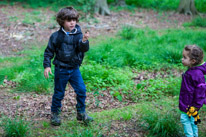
67, 49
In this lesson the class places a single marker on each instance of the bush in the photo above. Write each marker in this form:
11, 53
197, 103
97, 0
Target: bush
15, 127
200, 5
162, 124
99, 77
196, 22
127, 32
172, 56
28, 73
110, 1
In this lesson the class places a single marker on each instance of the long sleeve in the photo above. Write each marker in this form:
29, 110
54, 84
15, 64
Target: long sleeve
82, 46
199, 91
199, 96
49, 53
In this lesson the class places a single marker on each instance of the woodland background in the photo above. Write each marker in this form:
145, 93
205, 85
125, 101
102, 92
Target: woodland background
132, 70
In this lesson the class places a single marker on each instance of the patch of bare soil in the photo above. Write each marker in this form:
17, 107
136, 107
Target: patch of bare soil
37, 107
126, 128
144, 75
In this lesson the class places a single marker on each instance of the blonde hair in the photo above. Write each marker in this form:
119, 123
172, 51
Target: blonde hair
195, 53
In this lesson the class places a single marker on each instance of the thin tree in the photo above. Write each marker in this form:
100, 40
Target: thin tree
187, 7
101, 7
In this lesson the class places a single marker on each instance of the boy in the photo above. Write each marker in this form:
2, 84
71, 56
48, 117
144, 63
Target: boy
68, 45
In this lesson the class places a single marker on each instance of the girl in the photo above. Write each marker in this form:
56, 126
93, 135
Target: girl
193, 89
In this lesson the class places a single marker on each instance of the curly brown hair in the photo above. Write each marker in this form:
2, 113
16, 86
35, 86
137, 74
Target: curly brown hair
195, 53
67, 13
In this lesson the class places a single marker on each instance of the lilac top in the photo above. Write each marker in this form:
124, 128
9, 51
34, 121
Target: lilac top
193, 88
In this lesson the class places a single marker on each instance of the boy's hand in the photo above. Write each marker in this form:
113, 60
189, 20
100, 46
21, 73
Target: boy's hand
86, 36
47, 71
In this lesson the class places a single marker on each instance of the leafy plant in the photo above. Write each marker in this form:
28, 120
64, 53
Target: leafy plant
16, 127
200, 22
126, 115
196, 22
28, 74
156, 88
45, 124
127, 32
13, 18
162, 124
100, 77
2, 77
172, 56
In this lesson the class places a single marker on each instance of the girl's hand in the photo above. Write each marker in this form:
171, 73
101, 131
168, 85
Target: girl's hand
86, 36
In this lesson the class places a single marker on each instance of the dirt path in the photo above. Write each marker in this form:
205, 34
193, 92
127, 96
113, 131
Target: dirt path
35, 106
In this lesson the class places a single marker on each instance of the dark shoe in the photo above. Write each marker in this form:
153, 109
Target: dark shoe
84, 117
55, 119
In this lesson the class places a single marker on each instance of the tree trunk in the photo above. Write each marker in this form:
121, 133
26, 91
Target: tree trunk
187, 7
120, 3
101, 7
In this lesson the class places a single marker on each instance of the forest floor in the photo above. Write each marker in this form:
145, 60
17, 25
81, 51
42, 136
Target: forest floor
19, 31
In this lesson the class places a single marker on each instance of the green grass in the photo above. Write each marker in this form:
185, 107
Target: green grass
146, 48
162, 119
14, 127
33, 17
196, 22
4, 2
101, 77
156, 88
28, 73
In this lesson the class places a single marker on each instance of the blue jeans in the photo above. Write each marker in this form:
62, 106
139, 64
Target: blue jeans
190, 129
62, 77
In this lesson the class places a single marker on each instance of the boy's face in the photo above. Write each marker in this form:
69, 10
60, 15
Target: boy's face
69, 25
186, 61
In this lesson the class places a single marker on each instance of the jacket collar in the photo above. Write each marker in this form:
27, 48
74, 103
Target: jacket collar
76, 30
